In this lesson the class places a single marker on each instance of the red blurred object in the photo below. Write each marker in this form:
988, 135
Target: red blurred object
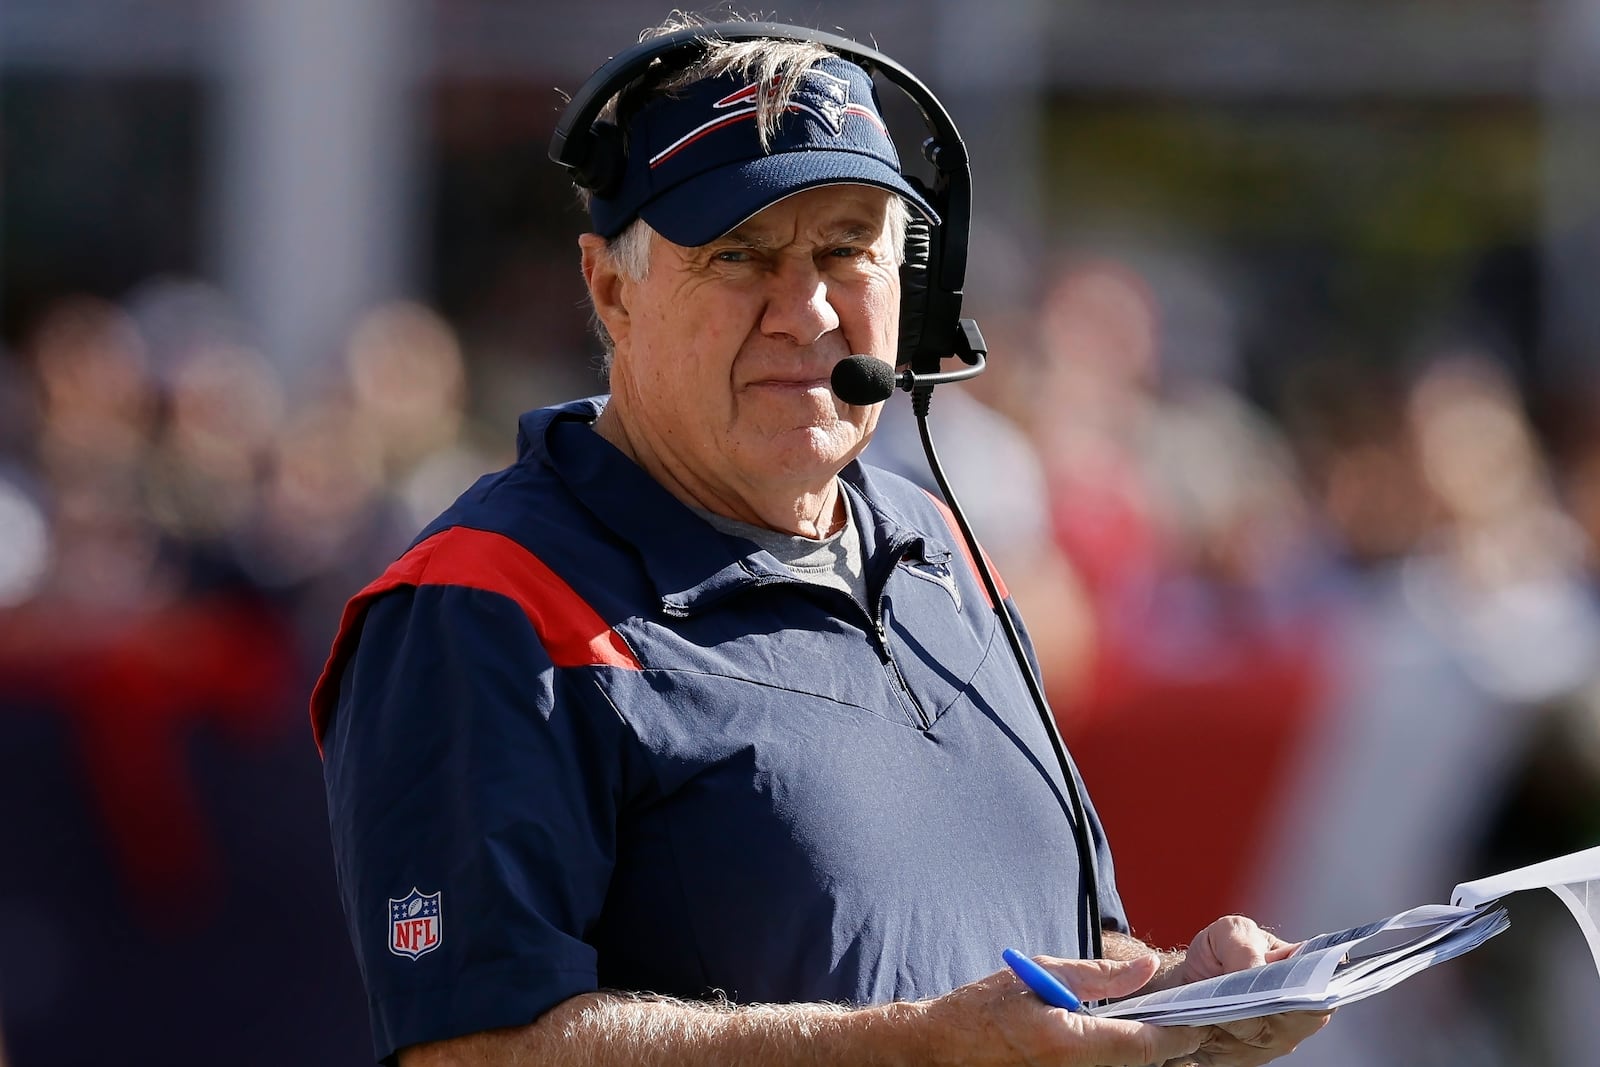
1185, 772
137, 688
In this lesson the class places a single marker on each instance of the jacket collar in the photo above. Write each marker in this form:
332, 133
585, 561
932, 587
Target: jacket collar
691, 564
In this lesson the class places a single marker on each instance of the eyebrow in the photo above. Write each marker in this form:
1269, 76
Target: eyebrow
746, 239
857, 232
851, 233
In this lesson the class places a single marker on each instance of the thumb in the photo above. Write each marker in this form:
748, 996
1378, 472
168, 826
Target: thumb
1282, 950
1103, 979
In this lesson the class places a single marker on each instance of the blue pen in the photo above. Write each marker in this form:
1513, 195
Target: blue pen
1046, 986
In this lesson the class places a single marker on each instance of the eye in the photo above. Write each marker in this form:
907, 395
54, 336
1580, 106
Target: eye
732, 255
846, 252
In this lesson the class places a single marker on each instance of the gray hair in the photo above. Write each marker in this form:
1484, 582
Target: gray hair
764, 61
778, 63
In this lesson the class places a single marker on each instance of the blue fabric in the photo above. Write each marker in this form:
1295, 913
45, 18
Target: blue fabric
769, 807
696, 167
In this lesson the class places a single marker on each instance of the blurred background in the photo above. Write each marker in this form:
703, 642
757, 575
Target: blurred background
1289, 450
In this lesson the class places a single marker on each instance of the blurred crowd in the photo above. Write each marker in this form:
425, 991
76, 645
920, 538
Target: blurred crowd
1334, 643
1321, 651
180, 531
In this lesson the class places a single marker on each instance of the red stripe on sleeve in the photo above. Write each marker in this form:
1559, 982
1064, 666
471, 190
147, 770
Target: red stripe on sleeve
955, 531
573, 633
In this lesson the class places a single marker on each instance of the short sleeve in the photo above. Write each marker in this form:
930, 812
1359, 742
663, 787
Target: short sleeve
473, 796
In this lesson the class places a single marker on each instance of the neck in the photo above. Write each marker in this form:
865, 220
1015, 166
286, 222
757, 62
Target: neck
807, 511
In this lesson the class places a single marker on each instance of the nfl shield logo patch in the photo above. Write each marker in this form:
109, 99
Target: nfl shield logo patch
414, 923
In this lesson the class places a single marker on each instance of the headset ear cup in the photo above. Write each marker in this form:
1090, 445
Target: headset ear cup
914, 282
602, 171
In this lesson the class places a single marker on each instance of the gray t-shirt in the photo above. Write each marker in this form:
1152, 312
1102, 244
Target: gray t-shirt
831, 561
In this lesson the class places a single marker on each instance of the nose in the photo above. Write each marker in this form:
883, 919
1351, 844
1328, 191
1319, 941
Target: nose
797, 304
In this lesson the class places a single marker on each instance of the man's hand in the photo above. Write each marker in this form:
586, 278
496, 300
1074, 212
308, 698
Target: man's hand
1232, 943
1235, 943
1250, 1042
997, 1020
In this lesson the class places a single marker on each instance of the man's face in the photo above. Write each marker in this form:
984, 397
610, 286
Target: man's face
723, 351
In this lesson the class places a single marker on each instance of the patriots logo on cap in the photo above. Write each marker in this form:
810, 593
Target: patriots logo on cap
415, 925
817, 93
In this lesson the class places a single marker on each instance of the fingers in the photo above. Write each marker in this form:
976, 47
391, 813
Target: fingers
1172, 1042
1100, 979
1158, 1044
1286, 1030
1119, 1041
1282, 950
1247, 1042
996, 1020
1245, 942
1235, 942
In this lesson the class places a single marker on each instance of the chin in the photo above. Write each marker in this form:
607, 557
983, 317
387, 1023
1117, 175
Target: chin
813, 451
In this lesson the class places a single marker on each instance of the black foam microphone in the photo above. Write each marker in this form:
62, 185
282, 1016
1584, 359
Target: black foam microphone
862, 380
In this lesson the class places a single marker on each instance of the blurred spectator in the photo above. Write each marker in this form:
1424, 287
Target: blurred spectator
1181, 508
1462, 618
164, 532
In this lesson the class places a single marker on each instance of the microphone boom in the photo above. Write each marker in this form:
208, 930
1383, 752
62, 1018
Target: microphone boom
862, 380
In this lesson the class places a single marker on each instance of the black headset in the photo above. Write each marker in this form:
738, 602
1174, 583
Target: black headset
935, 266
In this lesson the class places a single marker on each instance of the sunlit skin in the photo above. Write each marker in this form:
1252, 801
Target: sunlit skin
719, 384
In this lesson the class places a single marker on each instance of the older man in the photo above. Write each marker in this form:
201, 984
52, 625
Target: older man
687, 738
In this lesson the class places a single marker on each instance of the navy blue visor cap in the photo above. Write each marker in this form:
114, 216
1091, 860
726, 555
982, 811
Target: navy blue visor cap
696, 167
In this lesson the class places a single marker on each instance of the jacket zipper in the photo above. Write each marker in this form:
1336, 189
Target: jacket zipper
880, 629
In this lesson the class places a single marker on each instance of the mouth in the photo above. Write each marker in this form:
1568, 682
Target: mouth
810, 382
792, 374
804, 385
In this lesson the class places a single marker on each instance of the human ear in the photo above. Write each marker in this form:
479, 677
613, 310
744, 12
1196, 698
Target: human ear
608, 289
